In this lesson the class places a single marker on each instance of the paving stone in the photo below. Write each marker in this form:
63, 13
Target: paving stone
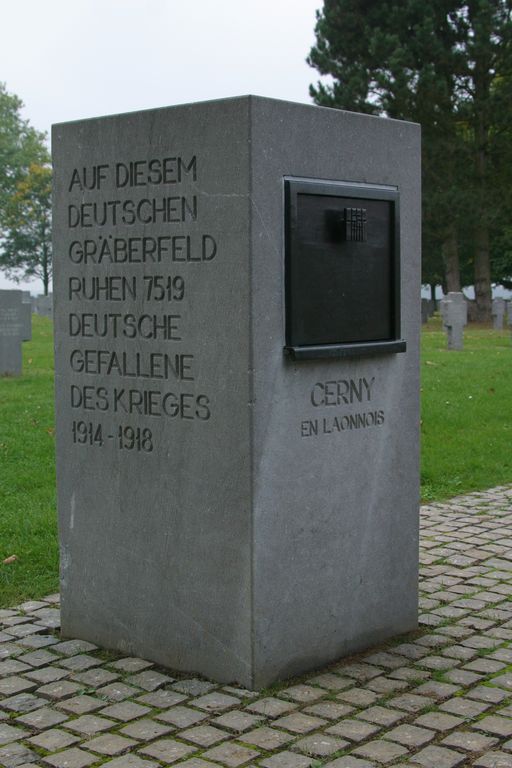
93, 678
181, 717
8, 650
302, 693
411, 702
320, 745
298, 722
125, 711
231, 754
504, 681
149, 680
438, 721
462, 677
23, 702
438, 757
130, 664
80, 662
81, 705
410, 735
437, 690
13, 667
348, 761
131, 761
494, 760
43, 718
53, 739
464, 707
242, 693
271, 707
355, 730
486, 693
72, 647
196, 762
61, 689
386, 685
332, 710
359, 697
117, 691
469, 740
90, 724
193, 686
216, 702
500, 726
237, 721
486, 666
331, 681
39, 658
204, 735
286, 760
12, 685
146, 729
110, 744
167, 750
381, 715
45, 675
10, 733
381, 751
160, 699
70, 758
13, 755
267, 738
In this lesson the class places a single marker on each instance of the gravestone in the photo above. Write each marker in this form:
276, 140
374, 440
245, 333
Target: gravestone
427, 310
498, 313
237, 384
454, 313
44, 305
11, 332
26, 301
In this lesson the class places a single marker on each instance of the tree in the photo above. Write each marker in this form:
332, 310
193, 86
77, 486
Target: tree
20, 146
27, 244
446, 64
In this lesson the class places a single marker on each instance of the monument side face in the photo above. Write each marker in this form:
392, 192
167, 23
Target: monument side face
151, 288
336, 443
11, 332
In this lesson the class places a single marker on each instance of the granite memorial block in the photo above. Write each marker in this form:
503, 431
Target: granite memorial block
26, 301
11, 332
454, 313
237, 384
498, 313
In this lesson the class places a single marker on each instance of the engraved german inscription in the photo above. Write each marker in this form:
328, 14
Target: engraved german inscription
135, 242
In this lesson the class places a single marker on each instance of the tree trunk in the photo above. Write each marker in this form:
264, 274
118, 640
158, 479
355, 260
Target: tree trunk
483, 290
433, 292
450, 250
46, 274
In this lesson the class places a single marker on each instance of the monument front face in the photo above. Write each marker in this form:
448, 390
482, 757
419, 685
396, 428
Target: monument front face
228, 506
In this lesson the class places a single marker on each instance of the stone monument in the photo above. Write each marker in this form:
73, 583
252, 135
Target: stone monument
11, 332
454, 312
237, 383
498, 313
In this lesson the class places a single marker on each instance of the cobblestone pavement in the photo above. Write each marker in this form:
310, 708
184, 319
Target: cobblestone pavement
439, 698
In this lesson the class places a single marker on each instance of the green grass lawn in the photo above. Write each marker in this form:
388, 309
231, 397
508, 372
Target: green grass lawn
466, 417
28, 527
466, 434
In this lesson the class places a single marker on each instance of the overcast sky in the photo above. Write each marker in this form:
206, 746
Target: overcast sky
70, 59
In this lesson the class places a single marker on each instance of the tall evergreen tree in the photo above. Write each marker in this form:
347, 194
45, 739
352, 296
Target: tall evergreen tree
447, 65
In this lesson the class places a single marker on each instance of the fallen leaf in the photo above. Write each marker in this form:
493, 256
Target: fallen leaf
9, 560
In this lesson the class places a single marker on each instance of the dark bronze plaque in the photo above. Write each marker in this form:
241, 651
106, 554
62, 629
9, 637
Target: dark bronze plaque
342, 269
